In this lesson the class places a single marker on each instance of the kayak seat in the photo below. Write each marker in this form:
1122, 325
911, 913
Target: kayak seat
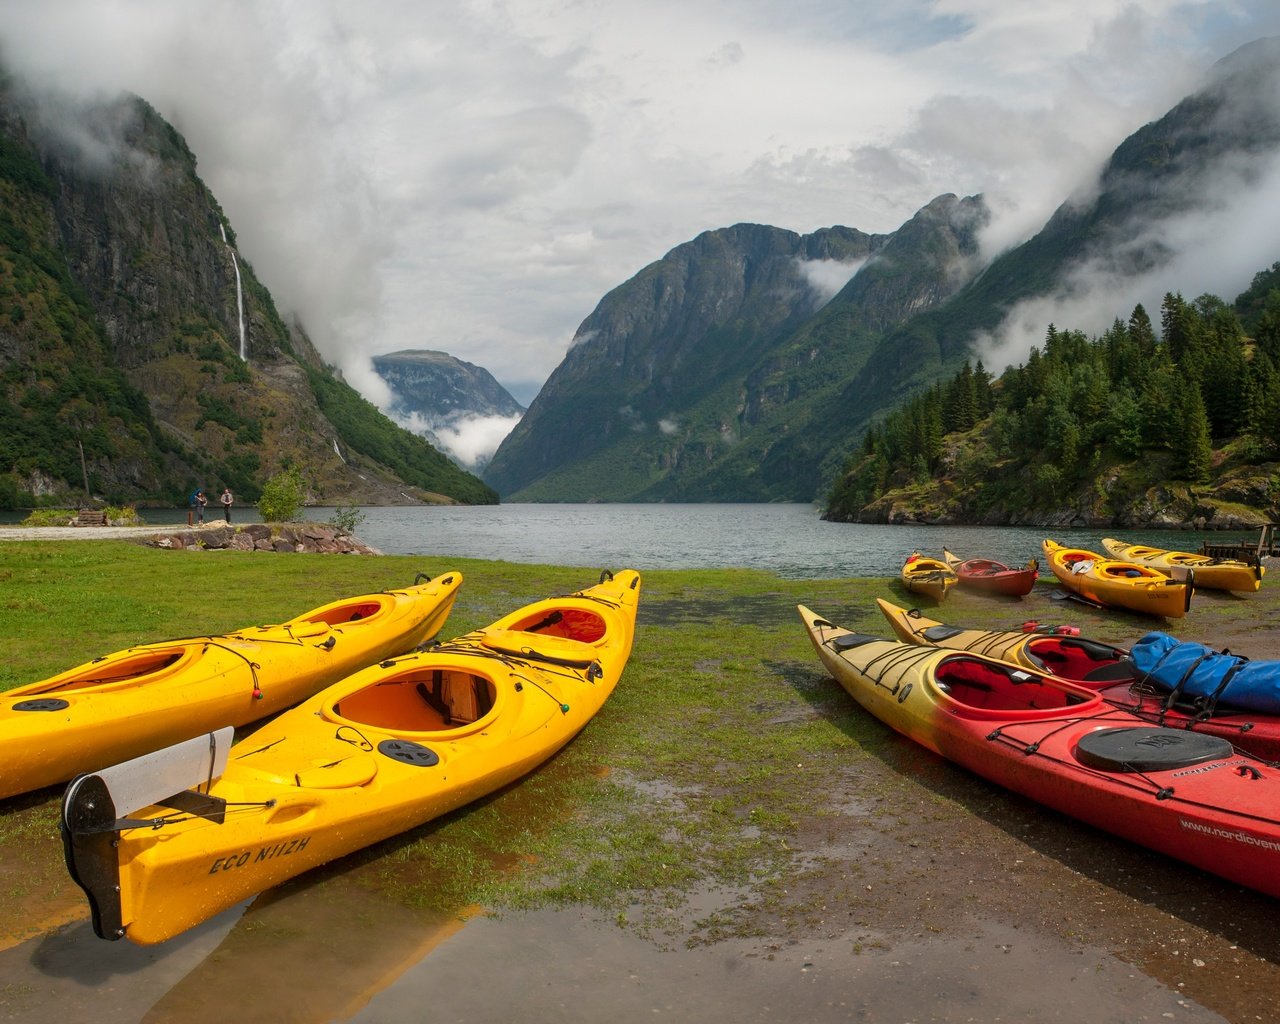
848, 641
1087, 660
939, 633
421, 700
1118, 672
992, 686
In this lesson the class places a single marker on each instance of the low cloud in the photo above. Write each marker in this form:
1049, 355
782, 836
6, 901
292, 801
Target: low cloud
1225, 236
472, 440
827, 277
473, 178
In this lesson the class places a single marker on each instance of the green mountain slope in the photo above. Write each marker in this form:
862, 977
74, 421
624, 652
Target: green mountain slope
120, 335
678, 367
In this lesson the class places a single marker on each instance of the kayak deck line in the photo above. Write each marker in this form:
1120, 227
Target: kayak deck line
148, 696
1189, 795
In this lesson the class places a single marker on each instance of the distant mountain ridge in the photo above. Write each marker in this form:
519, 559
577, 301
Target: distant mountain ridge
697, 381
674, 379
457, 406
121, 376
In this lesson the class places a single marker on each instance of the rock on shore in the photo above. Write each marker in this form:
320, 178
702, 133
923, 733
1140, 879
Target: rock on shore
315, 538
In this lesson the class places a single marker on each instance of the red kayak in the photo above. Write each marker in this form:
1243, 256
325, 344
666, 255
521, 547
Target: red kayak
1185, 794
1108, 670
993, 577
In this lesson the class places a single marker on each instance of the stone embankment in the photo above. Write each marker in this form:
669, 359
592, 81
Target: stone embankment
285, 537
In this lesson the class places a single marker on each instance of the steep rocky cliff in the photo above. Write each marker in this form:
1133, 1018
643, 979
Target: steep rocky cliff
132, 330
683, 380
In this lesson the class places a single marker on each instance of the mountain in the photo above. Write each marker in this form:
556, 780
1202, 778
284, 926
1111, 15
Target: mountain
140, 356
677, 389
673, 385
675, 368
457, 406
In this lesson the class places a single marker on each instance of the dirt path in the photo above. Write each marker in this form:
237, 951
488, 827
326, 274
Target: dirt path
85, 532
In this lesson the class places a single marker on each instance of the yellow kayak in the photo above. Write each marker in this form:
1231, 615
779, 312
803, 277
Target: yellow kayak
384, 750
1215, 573
1121, 584
911, 626
136, 700
929, 576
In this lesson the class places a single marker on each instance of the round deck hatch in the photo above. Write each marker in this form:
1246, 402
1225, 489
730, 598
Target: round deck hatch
408, 752
1152, 749
42, 704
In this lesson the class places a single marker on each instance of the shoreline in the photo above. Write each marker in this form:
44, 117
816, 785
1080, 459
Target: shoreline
314, 538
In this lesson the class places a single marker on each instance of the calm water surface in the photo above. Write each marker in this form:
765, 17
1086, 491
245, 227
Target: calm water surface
790, 540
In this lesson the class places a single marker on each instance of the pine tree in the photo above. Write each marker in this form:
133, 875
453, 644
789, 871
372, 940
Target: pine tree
1223, 372
1194, 452
1141, 332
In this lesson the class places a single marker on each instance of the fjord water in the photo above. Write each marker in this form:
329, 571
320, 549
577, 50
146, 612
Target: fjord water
789, 539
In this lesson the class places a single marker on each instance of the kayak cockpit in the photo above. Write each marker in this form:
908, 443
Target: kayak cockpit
1080, 659
1129, 571
981, 686
580, 624
420, 700
343, 612
133, 667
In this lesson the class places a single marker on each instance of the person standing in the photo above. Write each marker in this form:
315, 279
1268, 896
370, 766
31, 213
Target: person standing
226, 500
202, 500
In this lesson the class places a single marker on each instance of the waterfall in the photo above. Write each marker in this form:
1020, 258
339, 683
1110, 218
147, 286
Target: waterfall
335, 449
239, 291
239, 305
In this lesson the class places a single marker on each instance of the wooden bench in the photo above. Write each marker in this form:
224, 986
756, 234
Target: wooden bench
90, 517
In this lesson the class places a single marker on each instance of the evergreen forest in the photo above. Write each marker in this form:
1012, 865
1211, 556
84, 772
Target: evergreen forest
1084, 419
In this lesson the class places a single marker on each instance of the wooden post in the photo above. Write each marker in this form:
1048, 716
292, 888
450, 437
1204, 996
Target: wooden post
84, 469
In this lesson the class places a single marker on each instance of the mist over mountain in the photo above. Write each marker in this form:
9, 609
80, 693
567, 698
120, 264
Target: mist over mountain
140, 356
457, 406
720, 373
674, 385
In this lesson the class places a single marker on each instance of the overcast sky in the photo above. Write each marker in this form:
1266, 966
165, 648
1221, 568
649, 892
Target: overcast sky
474, 176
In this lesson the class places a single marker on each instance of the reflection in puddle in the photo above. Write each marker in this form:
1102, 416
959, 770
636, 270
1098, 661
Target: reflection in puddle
313, 951
36, 894
575, 966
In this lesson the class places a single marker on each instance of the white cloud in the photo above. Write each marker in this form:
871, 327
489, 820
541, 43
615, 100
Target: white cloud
827, 277
474, 177
474, 439
1215, 247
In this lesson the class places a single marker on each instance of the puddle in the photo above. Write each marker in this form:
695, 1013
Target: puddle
328, 947
306, 954
36, 893
573, 966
